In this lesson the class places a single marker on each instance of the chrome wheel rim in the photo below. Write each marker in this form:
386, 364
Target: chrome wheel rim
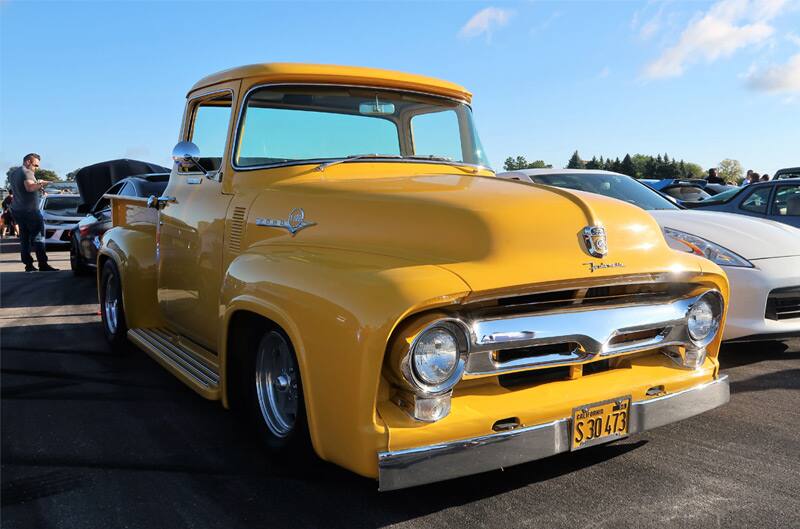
110, 304
276, 384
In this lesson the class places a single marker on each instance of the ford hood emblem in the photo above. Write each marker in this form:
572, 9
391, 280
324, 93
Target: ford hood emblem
594, 238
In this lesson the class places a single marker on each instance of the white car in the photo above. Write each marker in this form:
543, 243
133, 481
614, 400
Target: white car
761, 257
60, 213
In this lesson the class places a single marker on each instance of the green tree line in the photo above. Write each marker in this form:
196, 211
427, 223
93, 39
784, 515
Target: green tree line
637, 166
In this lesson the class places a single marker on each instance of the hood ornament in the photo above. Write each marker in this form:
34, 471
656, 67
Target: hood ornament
296, 221
594, 238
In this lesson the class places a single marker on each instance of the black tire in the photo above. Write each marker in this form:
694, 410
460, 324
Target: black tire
112, 310
76, 262
284, 433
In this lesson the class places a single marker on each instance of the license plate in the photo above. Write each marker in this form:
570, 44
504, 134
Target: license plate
600, 422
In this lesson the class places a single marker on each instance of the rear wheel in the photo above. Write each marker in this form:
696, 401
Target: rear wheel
111, 309
76, 262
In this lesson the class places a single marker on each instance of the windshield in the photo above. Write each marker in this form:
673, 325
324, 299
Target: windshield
725, 196
616, 186
686, 193
296, 124
64, 206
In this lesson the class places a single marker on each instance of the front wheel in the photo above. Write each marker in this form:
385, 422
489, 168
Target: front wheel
111, 308
276, 395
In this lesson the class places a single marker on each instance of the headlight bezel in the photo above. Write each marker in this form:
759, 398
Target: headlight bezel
459, 330
717, 306
699, 246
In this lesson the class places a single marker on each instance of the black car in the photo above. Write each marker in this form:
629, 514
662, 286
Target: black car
777, 200
86, 235
788, 172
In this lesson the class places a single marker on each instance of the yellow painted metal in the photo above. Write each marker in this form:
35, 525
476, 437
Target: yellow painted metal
332, 74
390, 240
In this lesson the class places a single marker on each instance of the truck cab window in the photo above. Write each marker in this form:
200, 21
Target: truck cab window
210, 130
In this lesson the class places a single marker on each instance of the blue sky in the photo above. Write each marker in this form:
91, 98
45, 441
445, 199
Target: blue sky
83, 82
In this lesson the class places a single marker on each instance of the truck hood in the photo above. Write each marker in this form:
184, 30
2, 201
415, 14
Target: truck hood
750, 237
492, 233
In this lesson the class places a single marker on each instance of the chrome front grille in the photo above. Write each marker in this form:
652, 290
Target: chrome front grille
533, 340
783, 304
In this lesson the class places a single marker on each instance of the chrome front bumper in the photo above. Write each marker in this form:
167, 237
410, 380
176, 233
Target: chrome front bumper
427, 464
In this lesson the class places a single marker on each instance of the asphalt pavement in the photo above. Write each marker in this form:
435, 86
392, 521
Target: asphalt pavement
91, 439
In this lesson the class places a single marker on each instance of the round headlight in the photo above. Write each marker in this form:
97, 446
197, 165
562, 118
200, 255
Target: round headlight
435, 356
702, 319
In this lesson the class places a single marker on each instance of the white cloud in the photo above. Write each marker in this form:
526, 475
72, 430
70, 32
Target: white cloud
484, 22
726, 27
794, 38
778, 78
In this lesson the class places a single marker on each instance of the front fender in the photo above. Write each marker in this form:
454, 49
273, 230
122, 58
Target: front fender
339, 309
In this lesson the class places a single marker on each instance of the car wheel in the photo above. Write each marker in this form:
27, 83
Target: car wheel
276, 400
76, 262
112, 311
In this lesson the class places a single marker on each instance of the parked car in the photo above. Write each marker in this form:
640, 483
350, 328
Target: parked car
683, 191
761, 257
86, 235
60, 216
407, 314
788, 172
777, 200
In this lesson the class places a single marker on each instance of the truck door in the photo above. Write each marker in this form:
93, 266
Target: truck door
190, 231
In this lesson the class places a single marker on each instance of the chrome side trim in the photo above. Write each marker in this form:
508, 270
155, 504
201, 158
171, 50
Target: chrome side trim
427, 464
163, 343
593, 330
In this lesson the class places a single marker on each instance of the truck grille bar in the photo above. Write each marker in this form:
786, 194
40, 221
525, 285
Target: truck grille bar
519, 342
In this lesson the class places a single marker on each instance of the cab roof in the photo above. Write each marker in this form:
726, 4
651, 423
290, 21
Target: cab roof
328, 73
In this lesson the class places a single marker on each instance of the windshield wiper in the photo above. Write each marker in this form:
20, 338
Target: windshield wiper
325, 165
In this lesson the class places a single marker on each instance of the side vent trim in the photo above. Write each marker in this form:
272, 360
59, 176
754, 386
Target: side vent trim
236, 230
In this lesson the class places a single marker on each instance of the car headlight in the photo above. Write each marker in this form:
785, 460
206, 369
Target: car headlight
686, 242
436, 357
703, 318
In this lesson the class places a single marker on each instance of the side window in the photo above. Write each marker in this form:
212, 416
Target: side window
128, 190
210, 130
437, 134
103, 203
787, 201
757, 201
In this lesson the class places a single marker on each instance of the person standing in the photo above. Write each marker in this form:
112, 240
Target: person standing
25, 209
7, 224
712, 177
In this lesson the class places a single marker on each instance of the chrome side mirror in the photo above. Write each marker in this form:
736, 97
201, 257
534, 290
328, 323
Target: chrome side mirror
158, 202
186, 154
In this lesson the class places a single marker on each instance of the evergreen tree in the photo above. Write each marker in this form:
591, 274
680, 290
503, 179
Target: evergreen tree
616, 166
626, 166
593, 163
575, 162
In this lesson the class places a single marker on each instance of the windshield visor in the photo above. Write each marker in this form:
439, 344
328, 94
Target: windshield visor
283, 125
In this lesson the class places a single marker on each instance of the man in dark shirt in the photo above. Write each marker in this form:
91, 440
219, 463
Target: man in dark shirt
712, 177
25, 208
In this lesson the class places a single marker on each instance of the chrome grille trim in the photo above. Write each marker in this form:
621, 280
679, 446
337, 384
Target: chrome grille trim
593, 330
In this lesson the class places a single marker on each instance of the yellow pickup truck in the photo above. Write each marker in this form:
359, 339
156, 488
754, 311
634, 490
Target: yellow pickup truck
334, 257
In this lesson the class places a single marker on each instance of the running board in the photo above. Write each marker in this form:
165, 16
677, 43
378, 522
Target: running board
182, 359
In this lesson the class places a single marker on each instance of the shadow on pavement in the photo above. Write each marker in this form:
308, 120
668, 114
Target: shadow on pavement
742, 354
